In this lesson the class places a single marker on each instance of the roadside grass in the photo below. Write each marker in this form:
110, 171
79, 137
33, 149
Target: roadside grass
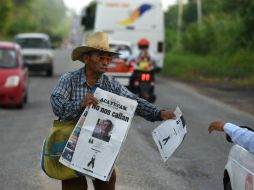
235, 70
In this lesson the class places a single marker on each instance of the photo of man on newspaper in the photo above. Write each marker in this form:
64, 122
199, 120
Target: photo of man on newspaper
103, 129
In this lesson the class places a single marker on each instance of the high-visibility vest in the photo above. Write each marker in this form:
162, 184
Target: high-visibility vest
144, 62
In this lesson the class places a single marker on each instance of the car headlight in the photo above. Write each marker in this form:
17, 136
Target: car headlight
47, 58
12, 81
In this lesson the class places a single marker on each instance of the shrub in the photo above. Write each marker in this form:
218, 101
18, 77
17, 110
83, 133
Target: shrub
218, 33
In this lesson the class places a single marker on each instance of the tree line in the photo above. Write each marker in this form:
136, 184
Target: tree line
226, 26
48, 16
220, 46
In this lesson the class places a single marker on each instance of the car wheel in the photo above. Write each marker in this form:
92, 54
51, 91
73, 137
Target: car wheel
226, 181
26, 99
20, 105
49, 72
228, 186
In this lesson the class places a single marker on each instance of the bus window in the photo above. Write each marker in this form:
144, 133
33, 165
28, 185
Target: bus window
160, 47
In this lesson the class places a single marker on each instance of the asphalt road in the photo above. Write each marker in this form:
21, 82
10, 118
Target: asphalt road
197, 165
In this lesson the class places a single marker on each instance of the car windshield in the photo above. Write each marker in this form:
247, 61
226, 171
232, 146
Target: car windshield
124, 50
38, 43
8, 58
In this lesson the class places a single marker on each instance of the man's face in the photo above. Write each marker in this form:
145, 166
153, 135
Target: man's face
98, 61
106, 126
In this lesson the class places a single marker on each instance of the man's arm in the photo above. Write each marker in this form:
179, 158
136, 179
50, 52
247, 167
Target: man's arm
144, 109
60, 100
240, 136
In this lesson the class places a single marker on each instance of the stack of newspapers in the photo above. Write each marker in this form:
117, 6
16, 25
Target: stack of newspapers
98, 136
95, 143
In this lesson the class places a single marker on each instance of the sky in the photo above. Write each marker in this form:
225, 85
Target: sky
77, 5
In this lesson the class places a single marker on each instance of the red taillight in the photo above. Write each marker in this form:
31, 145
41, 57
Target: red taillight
249, 182
145, 77
131, 69
148, 77
132, 63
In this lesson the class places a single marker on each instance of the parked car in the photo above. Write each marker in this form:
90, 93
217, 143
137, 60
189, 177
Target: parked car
36, 51
13, 76
239, 170
119, 67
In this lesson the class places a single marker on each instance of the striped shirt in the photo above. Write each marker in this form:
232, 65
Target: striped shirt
72, 88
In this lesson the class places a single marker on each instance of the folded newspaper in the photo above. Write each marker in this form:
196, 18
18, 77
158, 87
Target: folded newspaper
169, 135
70, 146
99, 135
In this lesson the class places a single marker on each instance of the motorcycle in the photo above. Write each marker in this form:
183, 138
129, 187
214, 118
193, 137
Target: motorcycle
142, 84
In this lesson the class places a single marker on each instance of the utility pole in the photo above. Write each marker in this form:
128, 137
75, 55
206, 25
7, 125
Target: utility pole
179, 22
199, 11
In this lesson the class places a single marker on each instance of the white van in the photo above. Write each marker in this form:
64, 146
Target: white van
37, 52
128, 21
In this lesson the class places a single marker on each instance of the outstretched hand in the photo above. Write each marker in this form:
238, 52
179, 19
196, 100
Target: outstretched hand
216, 126
166, 114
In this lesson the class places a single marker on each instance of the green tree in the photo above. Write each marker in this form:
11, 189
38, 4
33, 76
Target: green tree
6, 8
248, 19
245, 9
48, 16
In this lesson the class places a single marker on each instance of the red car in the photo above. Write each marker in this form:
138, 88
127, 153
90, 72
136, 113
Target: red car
13, 76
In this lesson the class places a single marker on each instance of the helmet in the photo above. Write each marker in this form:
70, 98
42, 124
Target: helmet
143, 42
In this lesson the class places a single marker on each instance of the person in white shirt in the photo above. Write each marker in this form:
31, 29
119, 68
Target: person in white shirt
239, 135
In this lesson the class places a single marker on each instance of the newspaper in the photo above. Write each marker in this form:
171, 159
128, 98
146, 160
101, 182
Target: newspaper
70, 146
169, 135
102, 134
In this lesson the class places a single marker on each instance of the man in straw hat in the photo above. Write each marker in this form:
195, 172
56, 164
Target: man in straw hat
74, 92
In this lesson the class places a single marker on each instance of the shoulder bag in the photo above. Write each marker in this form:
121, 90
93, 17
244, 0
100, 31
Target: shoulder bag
52, 149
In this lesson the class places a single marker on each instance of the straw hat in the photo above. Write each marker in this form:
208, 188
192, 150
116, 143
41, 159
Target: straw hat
97, 41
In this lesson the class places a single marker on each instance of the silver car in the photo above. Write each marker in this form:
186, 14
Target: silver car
37, 52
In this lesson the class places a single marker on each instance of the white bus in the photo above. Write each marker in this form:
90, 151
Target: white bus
128, 20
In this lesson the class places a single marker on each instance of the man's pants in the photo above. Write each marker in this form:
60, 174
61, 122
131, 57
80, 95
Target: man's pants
81, 183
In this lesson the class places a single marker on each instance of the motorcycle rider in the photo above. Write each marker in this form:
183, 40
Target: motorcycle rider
144, 58
142, 62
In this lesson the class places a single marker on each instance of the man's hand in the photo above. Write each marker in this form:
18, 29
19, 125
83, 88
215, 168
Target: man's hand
165, 115
88, 100
216, 126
